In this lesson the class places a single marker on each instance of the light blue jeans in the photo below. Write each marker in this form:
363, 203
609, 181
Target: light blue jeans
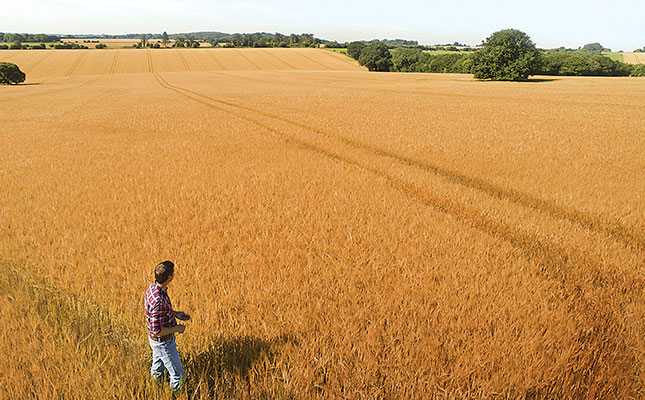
165, 355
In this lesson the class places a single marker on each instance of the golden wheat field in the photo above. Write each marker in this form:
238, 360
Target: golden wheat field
337, 233
634, 58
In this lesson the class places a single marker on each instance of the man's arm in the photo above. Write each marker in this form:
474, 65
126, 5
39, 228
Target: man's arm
181, 315
156, 316
172, 329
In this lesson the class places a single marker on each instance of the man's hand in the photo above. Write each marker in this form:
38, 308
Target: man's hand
180, 328
182, 315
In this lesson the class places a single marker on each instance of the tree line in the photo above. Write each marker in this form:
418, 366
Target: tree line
28, 38
506, 55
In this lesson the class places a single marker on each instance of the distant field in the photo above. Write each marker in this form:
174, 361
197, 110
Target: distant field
119, 43
337, 233
341, 51
39, 64
614, 56
634, 58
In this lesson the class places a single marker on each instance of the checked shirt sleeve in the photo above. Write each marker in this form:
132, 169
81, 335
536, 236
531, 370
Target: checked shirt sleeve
156, 316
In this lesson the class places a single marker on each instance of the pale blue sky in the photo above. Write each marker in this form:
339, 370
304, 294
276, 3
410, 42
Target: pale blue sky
619, 25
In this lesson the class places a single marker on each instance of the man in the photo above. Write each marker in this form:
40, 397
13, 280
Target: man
162, 326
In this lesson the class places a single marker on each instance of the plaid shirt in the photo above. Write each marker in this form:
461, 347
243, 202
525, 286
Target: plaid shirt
159, 312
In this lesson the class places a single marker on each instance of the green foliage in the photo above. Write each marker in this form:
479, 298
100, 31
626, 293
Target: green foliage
164, 38
68, 45
354, 49
17, 45
443, 63
638, 70
263, 39
376, 57
404, 58
594, 48
101, 46
508, 55
10, 74
582, 63
28, 38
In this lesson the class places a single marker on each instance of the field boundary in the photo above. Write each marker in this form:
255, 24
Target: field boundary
613, 229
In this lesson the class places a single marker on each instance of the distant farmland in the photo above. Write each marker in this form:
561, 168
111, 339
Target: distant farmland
337, 233
634, 58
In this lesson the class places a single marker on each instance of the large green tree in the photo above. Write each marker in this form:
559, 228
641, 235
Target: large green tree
376, 57
354, 49
508, 55
404, 58
11, 74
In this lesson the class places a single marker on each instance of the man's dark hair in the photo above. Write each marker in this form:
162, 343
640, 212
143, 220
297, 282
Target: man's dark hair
163, 271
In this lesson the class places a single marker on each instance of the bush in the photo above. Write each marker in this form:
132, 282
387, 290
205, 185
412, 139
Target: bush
582, 64
15, 46
638, 70
10, 74
101, 46
376, 57
508, 55
4, 47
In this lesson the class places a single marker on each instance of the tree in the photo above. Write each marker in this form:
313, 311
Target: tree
179, 41
144, 41
594, 47
403, 58
376, 57
354, 49
164, 38
507, 55
10, 74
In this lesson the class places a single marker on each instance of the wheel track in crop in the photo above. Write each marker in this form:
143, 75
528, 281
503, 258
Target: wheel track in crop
217, 61
37, 63
610, 228
554, 261
183, 60
269, 53
149, 56
114, 61
76, 64
327, 67
244, 56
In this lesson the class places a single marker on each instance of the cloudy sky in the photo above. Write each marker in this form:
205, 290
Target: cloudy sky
550, 23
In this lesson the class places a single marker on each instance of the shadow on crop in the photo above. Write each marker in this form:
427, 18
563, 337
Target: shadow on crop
223, 368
